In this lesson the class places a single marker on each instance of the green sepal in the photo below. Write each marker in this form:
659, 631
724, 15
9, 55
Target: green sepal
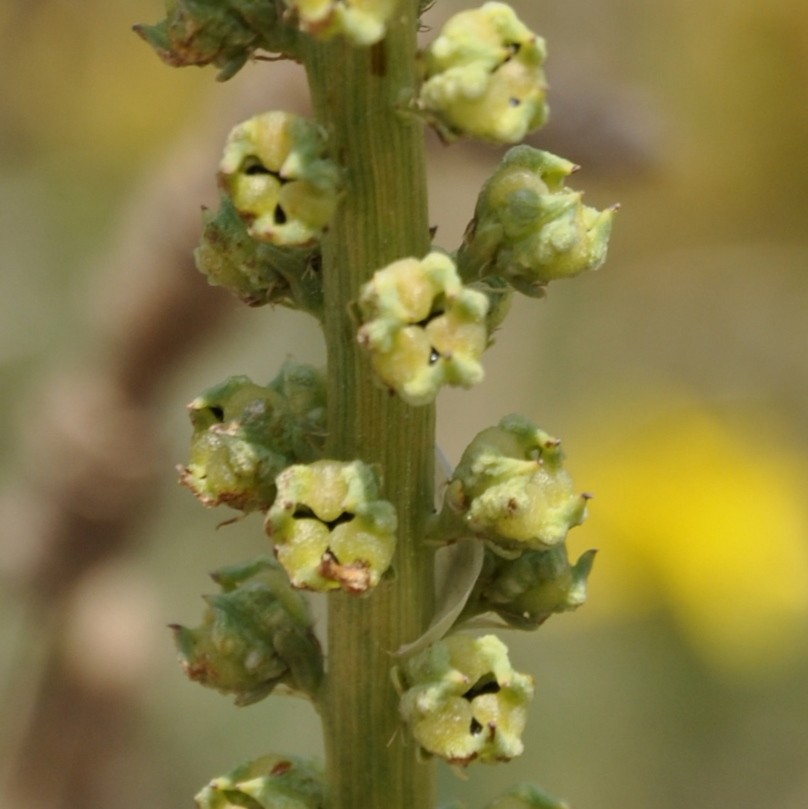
245, 434
529, 228
258, 273
270, 782
255, 635
526, 796
224, 33
524, 592
511, 489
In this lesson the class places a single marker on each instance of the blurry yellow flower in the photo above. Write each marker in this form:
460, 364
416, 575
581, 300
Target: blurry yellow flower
706, 516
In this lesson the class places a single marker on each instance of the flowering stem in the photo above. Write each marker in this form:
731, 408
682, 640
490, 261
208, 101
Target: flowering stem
360, 94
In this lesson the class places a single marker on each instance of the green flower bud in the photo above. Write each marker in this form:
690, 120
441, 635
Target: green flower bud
511, 489
527, 796
255, 635
484, 77
524, 592
422, 327
329, 528
529, 228
245, 434
463, 701
362, 22
224, 33
270, 782
276, 172
257, 272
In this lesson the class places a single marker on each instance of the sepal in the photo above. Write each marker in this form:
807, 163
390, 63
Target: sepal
511, 488
255, 635
224, 33
529, 228
245, 434
270, 782
257, 273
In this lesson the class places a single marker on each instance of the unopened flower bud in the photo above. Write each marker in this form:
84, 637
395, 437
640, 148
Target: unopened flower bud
530, 228
524, 592
422, 327
256, 634
276, 172
224, 33
463, 701
510, 488
257, 272
484, 77
329, 528
362, 23
270, 782
245, 434
526, 796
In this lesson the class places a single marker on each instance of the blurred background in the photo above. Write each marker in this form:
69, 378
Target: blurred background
677, 377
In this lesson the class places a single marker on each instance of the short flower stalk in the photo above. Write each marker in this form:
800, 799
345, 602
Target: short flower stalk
327, 214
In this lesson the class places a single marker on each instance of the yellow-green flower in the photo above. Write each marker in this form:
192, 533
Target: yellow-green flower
362, 22
422, 327
484, 77
329, 528
276, 171
463, 701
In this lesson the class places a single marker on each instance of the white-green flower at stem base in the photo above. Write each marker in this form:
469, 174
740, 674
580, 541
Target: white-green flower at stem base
531, 229
422, 327
270, 782
526, 796
463, 701
362, 22
276, 171
524, 592
329, 528
245, 434
510, 488
256, 634
483, 77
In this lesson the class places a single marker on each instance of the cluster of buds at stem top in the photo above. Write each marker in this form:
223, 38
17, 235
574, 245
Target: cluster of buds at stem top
256, 635
269, 782
276, 171
224, 33
511, 489
257, 272
245, 434
422, 327
463, 701
483, 77
531, 229
524, 592
362, 22
329, 528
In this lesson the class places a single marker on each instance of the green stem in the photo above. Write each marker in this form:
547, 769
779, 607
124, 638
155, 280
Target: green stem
361, 96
